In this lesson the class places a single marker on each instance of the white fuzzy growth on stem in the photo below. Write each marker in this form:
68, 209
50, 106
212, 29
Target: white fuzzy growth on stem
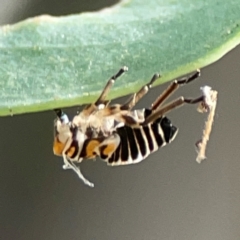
208, 105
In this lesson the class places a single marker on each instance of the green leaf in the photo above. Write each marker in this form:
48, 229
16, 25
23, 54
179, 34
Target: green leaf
49, 62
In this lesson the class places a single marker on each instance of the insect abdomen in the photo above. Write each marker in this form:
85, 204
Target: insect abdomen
136, 143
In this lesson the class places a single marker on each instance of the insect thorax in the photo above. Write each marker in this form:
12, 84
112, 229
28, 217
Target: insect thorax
100, 125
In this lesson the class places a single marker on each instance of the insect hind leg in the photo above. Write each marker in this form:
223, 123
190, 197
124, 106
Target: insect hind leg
170, 106
172, 88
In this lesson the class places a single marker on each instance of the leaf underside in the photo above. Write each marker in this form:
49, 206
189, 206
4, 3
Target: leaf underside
49, 62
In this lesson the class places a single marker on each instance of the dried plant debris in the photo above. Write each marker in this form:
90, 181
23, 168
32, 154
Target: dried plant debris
207, 105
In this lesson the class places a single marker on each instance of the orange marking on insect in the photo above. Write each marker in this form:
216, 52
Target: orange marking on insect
58, 147
109, 149
91, 147
71, 151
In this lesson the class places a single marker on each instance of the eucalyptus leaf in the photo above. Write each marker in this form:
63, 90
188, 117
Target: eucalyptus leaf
50, 62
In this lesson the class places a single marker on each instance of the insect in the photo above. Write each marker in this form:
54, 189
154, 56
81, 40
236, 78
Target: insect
116, 133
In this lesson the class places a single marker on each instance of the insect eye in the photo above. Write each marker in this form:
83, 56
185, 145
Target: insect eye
64, 119
62, 116
61, 124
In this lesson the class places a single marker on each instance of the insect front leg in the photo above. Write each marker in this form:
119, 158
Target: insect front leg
102, 98
70, 165
66, 164
109, 84
77, 170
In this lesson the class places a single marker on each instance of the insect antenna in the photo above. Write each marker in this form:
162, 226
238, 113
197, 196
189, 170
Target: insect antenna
58, 112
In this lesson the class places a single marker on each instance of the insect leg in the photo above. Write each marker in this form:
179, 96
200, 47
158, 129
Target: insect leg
123, 109
102, 98
108, 86
170, 106
70, 165
172, 88
137, 96
80, 175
